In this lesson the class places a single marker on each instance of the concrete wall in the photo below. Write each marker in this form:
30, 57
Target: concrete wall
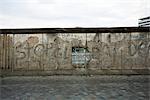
53, 52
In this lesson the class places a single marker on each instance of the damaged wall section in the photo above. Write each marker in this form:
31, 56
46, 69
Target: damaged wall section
62, 51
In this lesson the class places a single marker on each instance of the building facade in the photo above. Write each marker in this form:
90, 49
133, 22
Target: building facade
144, 22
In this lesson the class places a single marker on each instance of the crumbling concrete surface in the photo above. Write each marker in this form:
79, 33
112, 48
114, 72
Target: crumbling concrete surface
99, 51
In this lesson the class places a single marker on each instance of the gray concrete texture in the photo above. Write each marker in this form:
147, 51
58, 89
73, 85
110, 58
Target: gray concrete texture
46, 52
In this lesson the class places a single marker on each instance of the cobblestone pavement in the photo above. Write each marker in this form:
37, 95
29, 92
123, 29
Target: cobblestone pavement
75, 88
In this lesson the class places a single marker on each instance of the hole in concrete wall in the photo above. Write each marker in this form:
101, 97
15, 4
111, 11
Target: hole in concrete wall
80, 55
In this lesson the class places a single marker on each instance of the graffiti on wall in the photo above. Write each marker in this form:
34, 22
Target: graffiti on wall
38, 55
54, 51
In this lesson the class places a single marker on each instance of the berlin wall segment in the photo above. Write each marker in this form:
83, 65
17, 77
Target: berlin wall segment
48, 52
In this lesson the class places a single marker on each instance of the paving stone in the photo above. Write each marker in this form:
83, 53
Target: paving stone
75, 88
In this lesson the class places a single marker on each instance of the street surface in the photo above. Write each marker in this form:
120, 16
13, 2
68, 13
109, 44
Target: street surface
75, 88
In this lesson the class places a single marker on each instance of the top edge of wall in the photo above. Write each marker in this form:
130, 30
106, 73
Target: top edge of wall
75, 30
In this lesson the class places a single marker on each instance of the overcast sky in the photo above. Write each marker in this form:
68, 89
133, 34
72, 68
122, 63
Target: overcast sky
72, 13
